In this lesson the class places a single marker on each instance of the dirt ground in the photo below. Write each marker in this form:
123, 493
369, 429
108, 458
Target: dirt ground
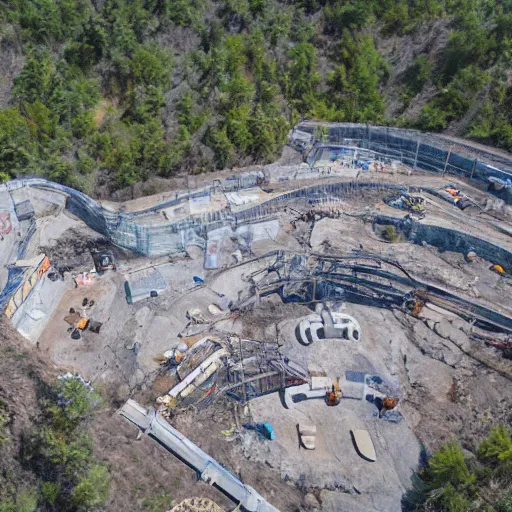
449, 385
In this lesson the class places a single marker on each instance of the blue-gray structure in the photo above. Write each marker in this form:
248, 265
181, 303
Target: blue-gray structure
425, 151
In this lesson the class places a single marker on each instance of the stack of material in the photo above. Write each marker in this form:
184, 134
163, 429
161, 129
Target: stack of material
194, 380
142, 284
364, 445
307, 436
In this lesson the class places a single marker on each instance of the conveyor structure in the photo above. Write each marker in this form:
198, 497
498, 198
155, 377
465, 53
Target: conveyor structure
208, 469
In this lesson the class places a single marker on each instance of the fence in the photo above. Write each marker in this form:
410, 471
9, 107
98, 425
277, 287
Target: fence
419, 150
135, 231
126, 230
171, 237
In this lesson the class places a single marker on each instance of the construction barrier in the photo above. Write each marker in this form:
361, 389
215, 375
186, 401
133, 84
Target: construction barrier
146, 233
419, 150
170, 237
22, 279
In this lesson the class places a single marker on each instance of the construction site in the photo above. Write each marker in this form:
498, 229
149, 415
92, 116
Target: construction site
299, 336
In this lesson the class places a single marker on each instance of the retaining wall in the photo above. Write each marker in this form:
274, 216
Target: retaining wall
425, 151
447, 239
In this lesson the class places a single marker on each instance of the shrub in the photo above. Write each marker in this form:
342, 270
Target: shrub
389, 233
432, 119
505, 503
497, 450
60, 451
25, 501
92, 489
448, 466
418, 74
4, 420
157, 503
50, 491
74, 403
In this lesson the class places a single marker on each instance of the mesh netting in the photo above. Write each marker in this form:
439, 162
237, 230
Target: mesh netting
433, 153
145, 232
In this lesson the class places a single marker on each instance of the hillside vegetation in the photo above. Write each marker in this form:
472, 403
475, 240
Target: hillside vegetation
458, 481
112, 92
46, 448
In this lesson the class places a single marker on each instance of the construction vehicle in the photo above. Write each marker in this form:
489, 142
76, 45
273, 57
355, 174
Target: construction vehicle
458, 198
103, 261
411, 203
414, 204
498, 269
417, 307
388, 404
79, 321
333, 397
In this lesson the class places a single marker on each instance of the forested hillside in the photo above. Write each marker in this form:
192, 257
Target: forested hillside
108, 93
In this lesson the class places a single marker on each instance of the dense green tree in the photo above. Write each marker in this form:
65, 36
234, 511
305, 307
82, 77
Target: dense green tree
99, 82
265, 138
35, 80
396, 18
237, 127
450, 482
222, 146
354, 84
340, 16
17, 146
92, 488
91, 45
301, 77
473, 45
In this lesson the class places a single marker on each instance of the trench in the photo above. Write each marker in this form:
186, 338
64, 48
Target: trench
355, 279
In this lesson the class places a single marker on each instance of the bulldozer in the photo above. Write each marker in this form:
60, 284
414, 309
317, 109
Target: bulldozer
333, 397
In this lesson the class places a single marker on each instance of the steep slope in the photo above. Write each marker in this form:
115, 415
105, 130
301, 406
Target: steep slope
37, 472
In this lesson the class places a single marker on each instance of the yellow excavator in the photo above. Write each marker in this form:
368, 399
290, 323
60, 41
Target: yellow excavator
333, 396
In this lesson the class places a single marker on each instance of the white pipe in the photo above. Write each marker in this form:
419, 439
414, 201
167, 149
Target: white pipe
208, 469
201, 369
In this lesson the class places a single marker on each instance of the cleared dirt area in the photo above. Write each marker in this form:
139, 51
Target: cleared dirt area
427, 310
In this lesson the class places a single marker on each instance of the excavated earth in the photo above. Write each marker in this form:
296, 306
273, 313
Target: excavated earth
450, 386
